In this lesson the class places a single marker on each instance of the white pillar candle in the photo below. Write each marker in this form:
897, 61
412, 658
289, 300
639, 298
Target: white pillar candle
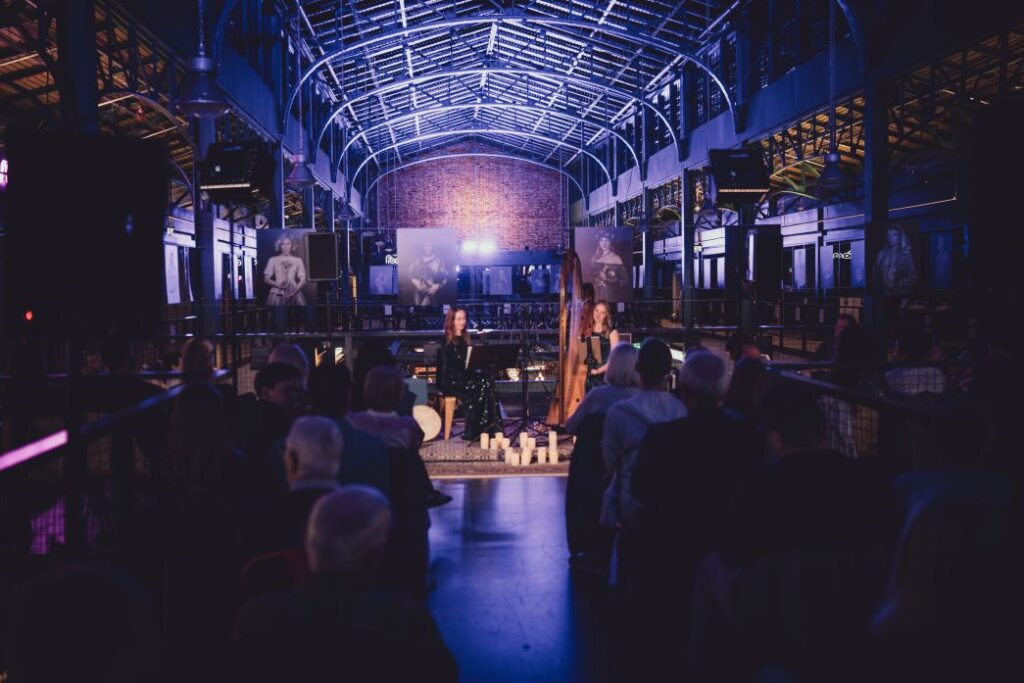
531, 443
494, 445
484, 439
507, 455
552, 440
499, 436
512, 458
526, 456
524, 440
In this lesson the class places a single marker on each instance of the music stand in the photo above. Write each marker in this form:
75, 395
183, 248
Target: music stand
492, 357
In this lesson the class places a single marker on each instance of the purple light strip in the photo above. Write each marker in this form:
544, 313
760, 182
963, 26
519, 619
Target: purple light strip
31, 450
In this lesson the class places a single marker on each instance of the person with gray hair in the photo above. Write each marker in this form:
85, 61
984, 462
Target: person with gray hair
589, 542
621, 382
312, 457
684, 477
336, 625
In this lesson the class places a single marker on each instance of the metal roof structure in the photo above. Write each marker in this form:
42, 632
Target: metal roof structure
542, 79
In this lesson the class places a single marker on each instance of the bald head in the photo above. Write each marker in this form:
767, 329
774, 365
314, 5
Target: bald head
347, 532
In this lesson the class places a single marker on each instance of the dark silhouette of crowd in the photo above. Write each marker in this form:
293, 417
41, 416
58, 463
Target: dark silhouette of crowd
281, 537
283, 534
739, 544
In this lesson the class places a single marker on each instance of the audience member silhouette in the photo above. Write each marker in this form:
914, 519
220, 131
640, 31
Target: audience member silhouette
336, 626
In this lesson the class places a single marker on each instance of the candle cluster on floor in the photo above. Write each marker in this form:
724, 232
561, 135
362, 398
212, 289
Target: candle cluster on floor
527, 448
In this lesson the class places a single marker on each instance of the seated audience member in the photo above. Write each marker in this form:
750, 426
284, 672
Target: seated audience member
826, 351
188, 538
293, 355
687, 468
620, 386
197, 361
82, 624
335, 626
374, 354
265, 422
405, 562
383, 389
684, 477
624, 430
589, 541
912, 346
743, 346
770, 510
312, 458
749, 384
802, 555
366, 455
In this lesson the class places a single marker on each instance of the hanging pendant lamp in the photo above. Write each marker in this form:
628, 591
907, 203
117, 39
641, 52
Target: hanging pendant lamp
301, 176
201, 97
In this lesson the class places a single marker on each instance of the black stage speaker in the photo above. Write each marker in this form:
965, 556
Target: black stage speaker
735, 260
767, 261
239, 173
993, 258
740, 175
84, 242
322, 256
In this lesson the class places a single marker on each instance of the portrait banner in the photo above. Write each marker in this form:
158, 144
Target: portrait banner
893, 268
283, 268
426, 266
606, 257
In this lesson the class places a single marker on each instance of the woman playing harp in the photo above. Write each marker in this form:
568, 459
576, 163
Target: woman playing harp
572, 368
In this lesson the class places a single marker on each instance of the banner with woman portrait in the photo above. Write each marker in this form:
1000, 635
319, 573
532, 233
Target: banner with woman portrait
606, 257
283, 268
893, 268
426, 266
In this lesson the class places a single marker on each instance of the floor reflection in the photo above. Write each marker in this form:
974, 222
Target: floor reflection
504, 598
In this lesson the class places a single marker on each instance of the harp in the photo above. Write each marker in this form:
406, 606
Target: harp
572, 370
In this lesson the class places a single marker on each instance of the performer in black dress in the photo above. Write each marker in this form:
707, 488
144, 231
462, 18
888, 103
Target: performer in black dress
474, 391
603, 328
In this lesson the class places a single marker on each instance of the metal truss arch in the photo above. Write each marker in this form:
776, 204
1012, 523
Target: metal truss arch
481, 105
477, 131
555, 76
155, 105
489, 155
504, 18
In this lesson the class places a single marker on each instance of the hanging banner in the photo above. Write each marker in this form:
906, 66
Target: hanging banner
426, 270
283, 268
606, 257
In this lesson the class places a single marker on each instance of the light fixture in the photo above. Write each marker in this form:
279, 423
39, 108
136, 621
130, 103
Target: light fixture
201, 97
301, 176
488, 247
832, 178
469, 246
345, 213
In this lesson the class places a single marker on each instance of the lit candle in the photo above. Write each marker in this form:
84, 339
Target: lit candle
484, 439
531, 443
552, 439
511, 457
553, 457
499, 436
524, 440
527, 457
495, 444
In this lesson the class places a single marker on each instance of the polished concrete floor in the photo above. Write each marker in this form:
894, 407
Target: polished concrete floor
504, 599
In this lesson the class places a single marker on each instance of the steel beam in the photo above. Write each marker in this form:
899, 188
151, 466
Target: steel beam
556, 76
402, 33
475, 105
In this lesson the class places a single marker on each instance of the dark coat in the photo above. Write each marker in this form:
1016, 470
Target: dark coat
327, 631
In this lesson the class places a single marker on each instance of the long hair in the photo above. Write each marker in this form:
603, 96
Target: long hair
609, 322
904, 240
449, 326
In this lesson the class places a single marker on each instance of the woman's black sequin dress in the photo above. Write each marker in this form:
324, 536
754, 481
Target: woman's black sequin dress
592, 362
474, 391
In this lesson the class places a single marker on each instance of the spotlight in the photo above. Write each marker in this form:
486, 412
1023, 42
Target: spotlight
488, 247
469, 246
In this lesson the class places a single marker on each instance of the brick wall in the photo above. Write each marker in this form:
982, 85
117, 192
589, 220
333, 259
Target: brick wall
516, 204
